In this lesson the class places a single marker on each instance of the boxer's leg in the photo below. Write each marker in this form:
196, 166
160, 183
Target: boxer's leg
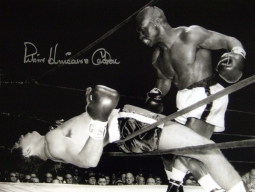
215, 163
196, 167
168, 162
185, 164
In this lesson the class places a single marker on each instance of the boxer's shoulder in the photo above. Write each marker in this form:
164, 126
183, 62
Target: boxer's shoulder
191, 33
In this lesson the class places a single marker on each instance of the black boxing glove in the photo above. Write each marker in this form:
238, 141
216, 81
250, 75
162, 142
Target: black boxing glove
231, 65
154, 101
101, 100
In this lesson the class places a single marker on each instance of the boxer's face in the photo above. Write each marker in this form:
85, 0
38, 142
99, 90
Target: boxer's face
27, 143
147, 30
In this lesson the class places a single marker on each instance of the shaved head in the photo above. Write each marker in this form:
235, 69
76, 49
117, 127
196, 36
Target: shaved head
151, 13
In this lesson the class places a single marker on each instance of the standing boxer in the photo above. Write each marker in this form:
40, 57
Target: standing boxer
183, 57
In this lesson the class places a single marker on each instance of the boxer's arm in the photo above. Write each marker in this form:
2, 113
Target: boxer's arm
231, 63
101, 101
65, 149
154, 98
163, 83
208, 39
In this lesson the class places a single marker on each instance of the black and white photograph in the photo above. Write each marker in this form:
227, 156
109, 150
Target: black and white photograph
106, 95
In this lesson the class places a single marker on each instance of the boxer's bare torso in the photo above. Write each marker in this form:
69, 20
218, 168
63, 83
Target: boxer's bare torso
75, 130
183, 54
181, 59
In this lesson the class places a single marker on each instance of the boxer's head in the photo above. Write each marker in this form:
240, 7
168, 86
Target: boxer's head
29, 143
148, 22
25, 152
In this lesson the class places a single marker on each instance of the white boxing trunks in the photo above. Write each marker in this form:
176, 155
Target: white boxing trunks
213, 113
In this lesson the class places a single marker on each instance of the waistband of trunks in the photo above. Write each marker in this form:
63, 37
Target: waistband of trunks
141, 111
142, 115
207, 82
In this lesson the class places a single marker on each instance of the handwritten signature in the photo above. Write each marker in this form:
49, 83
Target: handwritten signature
103, 57
100, 56
32, 57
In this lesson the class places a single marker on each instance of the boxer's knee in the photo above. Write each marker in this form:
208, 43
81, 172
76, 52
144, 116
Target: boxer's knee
196, 168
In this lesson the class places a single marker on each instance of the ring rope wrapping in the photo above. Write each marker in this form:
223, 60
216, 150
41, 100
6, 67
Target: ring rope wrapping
191, 149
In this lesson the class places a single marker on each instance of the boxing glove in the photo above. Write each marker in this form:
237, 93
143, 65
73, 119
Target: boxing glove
231, 65
154, 101
101, 100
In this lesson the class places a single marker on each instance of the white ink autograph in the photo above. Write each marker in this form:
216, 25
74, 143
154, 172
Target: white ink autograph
31, 58
53, 60
100, 56
103, 58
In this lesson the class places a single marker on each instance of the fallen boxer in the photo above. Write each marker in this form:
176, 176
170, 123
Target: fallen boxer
81, 139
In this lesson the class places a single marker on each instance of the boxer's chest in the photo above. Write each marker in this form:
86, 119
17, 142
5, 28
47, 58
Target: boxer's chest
79, 134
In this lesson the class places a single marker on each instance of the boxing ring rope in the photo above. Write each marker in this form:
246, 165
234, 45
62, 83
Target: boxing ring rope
226, 145
49, 123
237, 135
192, 149
24, 115
127, 96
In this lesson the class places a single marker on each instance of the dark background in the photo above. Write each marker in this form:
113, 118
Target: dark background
73, 25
